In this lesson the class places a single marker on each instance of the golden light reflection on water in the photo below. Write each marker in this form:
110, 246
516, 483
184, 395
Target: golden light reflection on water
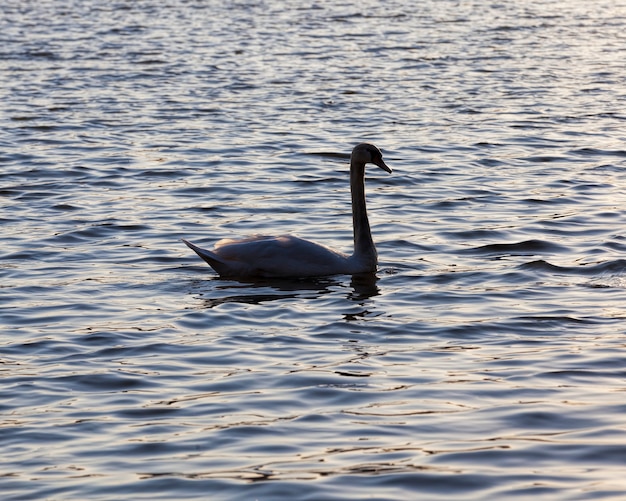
484, 360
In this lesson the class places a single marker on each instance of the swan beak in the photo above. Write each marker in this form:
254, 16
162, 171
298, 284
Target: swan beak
382, 165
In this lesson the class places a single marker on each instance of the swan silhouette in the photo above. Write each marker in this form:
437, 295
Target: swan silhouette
289, 256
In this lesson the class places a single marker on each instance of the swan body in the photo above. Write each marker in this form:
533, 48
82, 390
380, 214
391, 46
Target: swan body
281, 256
289, 256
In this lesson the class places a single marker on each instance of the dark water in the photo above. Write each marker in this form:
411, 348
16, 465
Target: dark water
486, 361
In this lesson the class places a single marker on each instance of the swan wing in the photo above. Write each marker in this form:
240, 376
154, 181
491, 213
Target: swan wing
270, 256
282, 256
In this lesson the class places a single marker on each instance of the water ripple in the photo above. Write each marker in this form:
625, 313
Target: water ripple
483, 361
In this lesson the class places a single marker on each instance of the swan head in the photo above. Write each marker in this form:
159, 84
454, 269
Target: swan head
365, 153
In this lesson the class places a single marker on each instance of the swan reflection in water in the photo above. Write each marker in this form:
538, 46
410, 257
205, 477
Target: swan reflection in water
362, 287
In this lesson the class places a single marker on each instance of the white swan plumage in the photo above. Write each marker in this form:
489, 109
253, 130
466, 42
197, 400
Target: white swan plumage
289, 256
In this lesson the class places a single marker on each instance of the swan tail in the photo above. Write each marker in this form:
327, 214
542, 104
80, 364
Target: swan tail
211, 258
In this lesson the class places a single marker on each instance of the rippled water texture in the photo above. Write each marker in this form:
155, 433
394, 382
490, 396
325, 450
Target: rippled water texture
485, 361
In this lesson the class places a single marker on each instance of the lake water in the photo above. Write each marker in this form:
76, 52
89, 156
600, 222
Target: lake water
485, 361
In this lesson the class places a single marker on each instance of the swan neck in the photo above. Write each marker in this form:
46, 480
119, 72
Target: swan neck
363, 243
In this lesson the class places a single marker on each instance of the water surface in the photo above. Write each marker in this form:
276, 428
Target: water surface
484, 361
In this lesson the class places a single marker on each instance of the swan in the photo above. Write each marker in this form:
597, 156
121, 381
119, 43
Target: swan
287, 256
